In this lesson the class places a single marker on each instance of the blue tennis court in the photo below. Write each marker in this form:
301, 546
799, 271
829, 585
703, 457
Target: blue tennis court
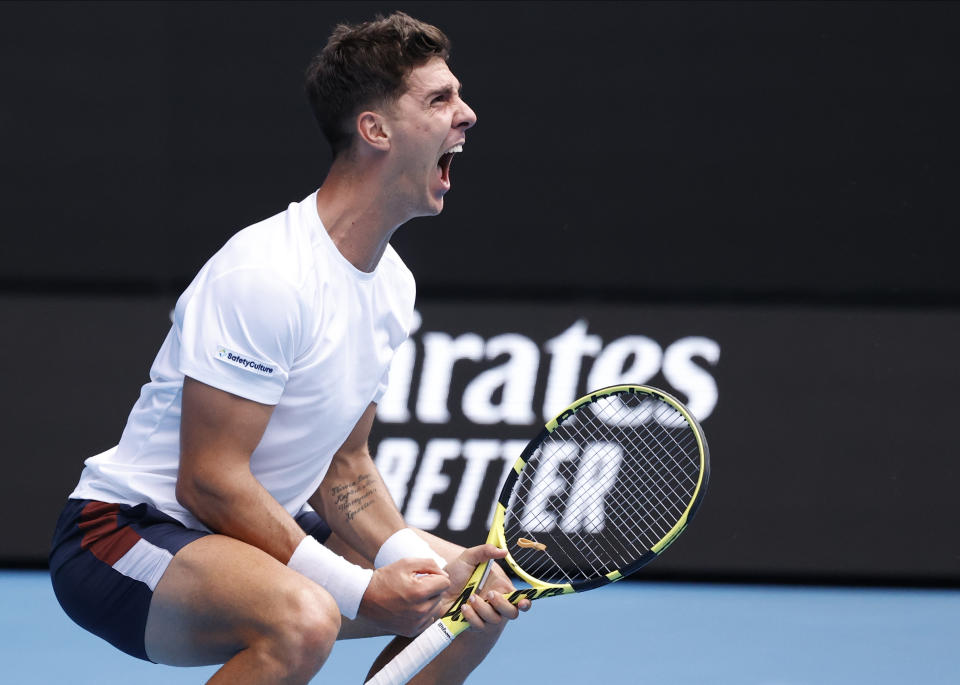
635, 632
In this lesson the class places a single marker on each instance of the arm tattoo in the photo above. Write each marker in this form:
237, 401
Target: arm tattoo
352, 498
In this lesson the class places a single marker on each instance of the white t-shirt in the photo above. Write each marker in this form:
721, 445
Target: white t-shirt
280, 317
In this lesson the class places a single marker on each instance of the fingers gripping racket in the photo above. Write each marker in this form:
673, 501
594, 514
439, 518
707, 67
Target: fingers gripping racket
604, 488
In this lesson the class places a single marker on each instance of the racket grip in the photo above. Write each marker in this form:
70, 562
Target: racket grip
414, 656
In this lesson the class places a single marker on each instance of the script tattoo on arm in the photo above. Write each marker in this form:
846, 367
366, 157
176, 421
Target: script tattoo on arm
352, 498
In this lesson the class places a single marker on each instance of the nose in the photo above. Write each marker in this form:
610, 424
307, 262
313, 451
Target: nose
466, 117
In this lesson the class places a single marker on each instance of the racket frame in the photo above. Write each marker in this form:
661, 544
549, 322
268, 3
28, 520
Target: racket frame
539, 589
497, 532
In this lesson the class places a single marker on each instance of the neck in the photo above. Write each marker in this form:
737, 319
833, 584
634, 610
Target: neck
356, 211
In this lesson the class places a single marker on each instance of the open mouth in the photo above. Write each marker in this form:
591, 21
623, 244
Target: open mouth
446, 160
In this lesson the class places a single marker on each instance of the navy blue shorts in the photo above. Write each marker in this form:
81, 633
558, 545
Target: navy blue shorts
107, 559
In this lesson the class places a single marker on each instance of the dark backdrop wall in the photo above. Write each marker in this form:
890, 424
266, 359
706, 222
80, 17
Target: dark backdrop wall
774, 178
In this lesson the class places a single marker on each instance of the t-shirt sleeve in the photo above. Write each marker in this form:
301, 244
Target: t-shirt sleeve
382, 385
408, 322
239, 333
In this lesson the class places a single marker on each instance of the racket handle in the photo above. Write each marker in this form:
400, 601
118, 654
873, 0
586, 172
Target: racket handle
414, 656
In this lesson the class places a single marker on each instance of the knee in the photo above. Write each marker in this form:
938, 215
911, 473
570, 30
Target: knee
313, 624
305, 631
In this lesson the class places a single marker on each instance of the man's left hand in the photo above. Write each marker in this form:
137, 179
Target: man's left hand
487, 608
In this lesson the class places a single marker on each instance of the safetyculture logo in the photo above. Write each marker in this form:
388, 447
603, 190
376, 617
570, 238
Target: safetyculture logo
248, 363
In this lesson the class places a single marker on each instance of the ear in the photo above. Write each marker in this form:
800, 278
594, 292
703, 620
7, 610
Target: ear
372, 128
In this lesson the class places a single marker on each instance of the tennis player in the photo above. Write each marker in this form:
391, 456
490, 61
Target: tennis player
241, 520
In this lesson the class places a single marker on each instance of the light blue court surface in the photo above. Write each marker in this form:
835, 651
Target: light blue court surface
659, 633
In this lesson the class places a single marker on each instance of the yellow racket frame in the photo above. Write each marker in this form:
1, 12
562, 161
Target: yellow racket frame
454, 621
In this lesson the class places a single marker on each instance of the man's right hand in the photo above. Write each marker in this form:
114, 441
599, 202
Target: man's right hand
402, 597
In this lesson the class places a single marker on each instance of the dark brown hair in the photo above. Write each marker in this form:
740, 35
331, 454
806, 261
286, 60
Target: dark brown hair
366, 65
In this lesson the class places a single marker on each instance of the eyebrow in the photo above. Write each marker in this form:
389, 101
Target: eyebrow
445, 90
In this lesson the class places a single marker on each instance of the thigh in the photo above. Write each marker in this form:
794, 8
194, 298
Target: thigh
217, 597
105, 562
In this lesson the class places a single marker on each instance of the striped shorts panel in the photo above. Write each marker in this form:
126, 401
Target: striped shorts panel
106, 560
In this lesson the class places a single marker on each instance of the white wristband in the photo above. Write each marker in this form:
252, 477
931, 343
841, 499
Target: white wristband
406, 544
346, 582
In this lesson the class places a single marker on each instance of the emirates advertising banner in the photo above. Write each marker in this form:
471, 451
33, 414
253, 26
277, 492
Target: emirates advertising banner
829, 428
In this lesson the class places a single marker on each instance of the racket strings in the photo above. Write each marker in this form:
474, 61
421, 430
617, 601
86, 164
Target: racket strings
659, 483
596, 510
560, 553
583, 551
608, 484
653, 474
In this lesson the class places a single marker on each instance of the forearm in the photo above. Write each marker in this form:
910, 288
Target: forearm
241, 508
356, 504
237, 505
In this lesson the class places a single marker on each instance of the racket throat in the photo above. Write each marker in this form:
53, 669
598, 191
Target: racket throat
483, 576
477, 579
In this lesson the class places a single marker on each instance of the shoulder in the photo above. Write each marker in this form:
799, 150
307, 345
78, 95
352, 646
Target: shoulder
397, 273
262, 274
396, 295
277, 248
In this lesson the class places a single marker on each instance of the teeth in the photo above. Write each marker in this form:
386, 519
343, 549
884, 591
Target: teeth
455, 148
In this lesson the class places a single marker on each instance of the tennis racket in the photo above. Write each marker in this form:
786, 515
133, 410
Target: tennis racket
604, 488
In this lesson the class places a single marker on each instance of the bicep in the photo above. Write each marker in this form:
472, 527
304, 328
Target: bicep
218, 431
356, 442
351, 458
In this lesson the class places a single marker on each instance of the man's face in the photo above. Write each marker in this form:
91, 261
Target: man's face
429, 122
